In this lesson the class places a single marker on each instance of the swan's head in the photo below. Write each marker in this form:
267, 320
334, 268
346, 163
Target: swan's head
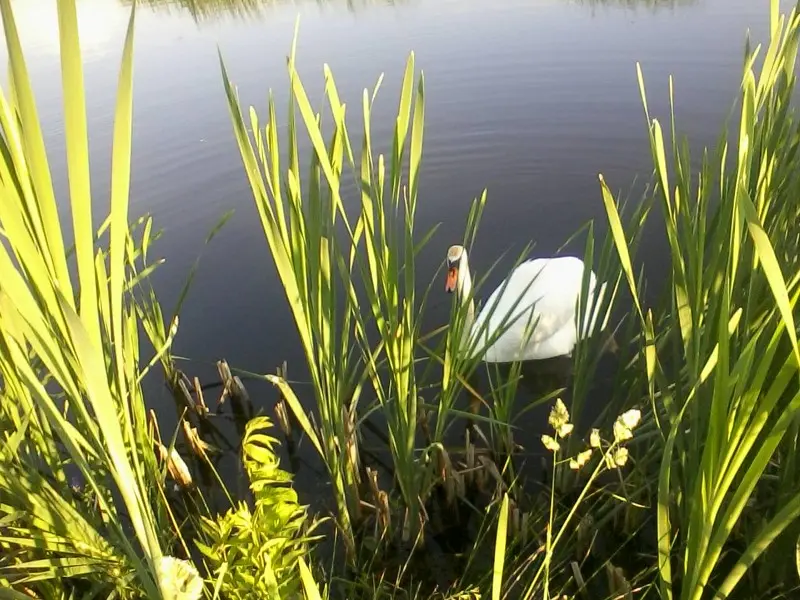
456, 257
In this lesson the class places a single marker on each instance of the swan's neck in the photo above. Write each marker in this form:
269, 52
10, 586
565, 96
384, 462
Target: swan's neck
465, 294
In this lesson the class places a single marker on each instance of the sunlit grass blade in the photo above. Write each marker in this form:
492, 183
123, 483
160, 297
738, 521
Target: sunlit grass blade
78, 164
772, 270
44, 212
309, 585
78, 367
500, 550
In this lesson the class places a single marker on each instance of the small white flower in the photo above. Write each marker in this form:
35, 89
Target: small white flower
631, 418
565, 430
559, 415
178, 579
550, 443
594, 438
617, 458
621, 433
609, 458
580, 460
625, 423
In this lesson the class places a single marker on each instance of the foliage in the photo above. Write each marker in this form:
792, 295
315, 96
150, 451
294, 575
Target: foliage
693, 492
69, 351
254, 553
722, 359
334, 269
84, 506
306, 271
720, 354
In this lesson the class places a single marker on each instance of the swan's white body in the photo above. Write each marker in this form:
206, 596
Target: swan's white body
535, 308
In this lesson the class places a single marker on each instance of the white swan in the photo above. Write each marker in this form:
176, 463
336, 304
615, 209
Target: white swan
536, 308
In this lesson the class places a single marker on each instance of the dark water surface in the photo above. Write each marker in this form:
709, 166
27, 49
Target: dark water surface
530, 99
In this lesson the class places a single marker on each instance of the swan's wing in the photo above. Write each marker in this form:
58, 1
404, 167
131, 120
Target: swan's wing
537, 303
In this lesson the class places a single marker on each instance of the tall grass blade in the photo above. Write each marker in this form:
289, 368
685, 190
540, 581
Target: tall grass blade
78, 164
500, 550
309, 585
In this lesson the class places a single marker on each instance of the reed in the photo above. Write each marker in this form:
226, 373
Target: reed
69, 349
86, 509
721, 359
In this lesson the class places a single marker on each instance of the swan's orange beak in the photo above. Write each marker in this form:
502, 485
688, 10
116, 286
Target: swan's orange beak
452, 278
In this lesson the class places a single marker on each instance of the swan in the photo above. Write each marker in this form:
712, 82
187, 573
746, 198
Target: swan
535, 307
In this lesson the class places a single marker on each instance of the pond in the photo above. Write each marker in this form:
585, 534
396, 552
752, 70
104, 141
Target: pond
530, 100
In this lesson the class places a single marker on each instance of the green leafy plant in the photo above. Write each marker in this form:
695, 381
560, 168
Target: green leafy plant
254, 552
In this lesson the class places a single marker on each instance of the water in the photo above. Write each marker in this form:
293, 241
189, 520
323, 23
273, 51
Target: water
528, 99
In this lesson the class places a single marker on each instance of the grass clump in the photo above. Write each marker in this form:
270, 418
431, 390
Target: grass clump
69, 351
85, 508
722, 361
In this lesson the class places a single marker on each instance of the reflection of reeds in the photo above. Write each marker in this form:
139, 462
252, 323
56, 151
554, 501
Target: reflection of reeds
652, 5
202, 10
